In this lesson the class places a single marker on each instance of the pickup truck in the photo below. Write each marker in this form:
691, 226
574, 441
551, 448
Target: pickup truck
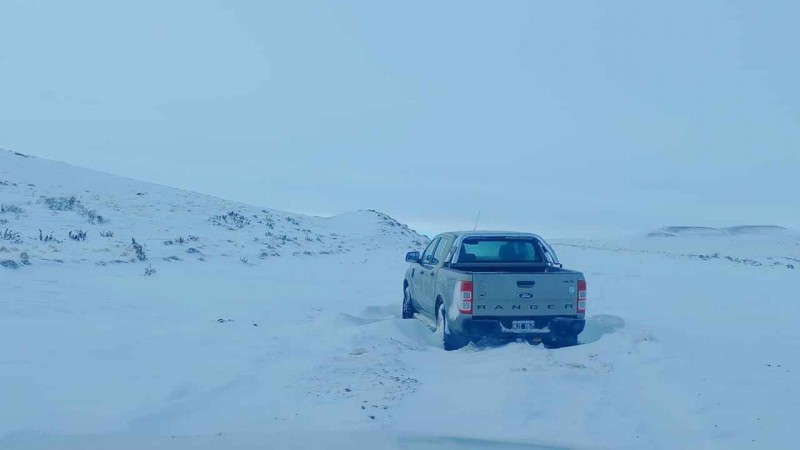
472, 285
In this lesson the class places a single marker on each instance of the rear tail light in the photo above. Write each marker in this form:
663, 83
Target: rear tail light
581, 296
463, 296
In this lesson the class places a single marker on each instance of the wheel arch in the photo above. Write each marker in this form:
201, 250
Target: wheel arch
439, 301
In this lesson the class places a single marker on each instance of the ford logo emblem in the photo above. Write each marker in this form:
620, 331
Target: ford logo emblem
526, 295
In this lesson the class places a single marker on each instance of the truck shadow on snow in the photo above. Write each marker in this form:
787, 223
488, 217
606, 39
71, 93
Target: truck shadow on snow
598, 326
370, 314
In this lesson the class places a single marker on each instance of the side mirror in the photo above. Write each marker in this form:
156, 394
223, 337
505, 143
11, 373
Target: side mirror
412, 257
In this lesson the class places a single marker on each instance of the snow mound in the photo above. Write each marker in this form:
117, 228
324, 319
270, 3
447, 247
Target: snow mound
54, 213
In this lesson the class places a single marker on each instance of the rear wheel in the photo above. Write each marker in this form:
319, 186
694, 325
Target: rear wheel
450, 341
561, 341
535, 340
408, 307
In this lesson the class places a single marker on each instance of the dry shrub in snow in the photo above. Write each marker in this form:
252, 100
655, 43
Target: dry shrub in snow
78, 235
92, 216
47, 237
231, 219
10, 209
11, 236
180, 240
61, 203
9, 264
72, 203
139, 250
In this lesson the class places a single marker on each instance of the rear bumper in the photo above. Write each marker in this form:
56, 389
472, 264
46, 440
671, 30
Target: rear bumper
552, 327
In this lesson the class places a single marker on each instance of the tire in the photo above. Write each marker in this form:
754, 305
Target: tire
535, 341
561, 341
408, 306
450, 341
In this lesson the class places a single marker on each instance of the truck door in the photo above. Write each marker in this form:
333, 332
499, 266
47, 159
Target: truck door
431, 269
421, 274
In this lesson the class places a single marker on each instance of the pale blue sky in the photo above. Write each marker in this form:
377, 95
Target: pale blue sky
564, 118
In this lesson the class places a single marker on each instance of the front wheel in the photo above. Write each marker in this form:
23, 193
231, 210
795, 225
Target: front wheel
450, 341
408, 307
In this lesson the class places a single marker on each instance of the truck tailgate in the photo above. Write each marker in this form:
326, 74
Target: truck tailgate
524, 294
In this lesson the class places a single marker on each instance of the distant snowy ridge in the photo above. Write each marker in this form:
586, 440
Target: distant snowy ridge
55, 213
750, 245
709, 231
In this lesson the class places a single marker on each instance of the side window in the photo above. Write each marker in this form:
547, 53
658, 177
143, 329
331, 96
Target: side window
427, 255
438, 255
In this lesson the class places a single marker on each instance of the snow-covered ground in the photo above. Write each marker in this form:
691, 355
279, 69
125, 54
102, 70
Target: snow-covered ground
264, 329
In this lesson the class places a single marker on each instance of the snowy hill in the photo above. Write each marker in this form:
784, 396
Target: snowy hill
46, 207
267, 329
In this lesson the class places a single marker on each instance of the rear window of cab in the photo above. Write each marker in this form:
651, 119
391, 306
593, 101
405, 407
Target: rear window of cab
500, 250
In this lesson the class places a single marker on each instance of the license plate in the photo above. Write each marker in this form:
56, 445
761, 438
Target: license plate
523, 325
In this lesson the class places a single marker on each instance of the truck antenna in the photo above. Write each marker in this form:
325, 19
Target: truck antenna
476, 221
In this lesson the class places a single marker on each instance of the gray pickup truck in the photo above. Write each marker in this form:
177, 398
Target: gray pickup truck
475, 284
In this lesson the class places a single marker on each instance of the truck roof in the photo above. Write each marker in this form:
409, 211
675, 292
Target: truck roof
490, 233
